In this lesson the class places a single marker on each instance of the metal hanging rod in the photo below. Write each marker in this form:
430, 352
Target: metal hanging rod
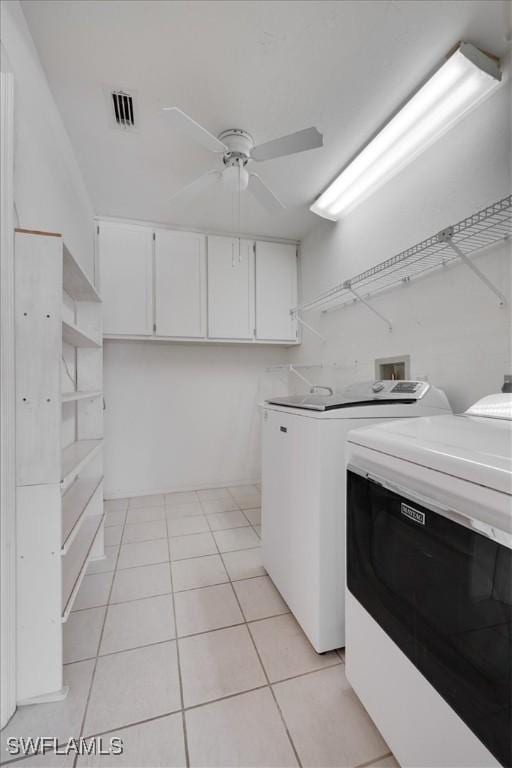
481, 230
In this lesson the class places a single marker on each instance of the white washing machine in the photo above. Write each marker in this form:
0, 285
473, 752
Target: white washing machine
429, 584
303, 492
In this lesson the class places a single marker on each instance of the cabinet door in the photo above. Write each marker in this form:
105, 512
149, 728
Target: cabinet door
276, 291
126, 279
180, 284
230, 288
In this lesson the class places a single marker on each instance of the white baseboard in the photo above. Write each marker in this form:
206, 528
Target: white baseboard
46, 698
131, 493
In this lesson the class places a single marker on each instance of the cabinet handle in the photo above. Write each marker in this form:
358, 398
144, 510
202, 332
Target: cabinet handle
283, 429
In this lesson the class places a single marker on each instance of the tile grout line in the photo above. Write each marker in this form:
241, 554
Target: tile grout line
178, 661
220, 698
186, 636
203, 513
194, 557
216, 701
269, 686
179, 591
174, 493
251, 524
93, 676
374, 762
248, 524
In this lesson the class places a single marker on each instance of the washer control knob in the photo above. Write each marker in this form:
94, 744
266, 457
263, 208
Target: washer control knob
378, 386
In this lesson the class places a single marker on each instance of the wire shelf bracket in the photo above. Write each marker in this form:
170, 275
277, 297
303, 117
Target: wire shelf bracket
360, 298
308, 326
483, 229
293, 369
446, 236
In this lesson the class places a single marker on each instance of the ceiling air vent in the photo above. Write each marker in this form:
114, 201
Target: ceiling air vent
122, 104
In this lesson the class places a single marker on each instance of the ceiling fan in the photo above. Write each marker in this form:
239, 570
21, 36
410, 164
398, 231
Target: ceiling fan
237, 150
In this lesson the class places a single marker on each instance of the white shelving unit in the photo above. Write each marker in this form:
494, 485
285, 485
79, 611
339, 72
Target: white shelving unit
76, 337
59, 464
76, 456
474, 233
69, 397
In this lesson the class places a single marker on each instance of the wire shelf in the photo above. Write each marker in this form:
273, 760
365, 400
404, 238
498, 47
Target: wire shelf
481, 230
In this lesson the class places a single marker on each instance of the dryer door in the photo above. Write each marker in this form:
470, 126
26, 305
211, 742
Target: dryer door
443, 593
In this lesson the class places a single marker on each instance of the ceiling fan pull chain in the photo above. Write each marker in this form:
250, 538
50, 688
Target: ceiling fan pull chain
234, 229
239, 195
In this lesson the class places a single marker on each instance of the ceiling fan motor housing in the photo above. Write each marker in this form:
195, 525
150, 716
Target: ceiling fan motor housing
239, 144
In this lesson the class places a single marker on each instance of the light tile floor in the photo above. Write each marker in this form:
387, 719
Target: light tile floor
180, 645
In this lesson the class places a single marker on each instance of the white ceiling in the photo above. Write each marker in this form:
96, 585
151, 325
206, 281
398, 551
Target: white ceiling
268, 67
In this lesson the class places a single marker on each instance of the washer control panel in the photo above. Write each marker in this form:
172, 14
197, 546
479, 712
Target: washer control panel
405, 386
400, 389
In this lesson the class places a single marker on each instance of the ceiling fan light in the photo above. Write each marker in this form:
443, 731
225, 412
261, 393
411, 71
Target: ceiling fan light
467, 77
236, 177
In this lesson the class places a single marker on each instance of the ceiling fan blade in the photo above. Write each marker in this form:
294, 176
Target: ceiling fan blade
264, 194
199, 184
309, 138
188, 126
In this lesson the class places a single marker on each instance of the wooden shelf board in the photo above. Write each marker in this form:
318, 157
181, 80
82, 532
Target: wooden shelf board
69, 397
76, 456
76, 282
73, 335
74, 563
75, 503
37, 232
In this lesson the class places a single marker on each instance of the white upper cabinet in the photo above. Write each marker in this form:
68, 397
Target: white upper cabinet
180, 284
165, 284
230, 288
276, 291
126, 278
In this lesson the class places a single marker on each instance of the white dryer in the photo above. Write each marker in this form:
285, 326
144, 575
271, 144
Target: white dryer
303, 492
429, 584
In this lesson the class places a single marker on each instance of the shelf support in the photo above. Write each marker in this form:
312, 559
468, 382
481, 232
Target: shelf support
292, 369
308, 326
446, 236
369, 306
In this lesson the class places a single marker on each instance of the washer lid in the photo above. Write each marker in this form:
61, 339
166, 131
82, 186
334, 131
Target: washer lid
362, 393
331, 402
473, 448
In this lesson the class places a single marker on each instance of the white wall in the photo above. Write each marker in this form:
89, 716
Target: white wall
177, 416
184, 416
49, 191
448, 323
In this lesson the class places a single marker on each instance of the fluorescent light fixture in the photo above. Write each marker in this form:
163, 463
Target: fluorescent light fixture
465, 78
